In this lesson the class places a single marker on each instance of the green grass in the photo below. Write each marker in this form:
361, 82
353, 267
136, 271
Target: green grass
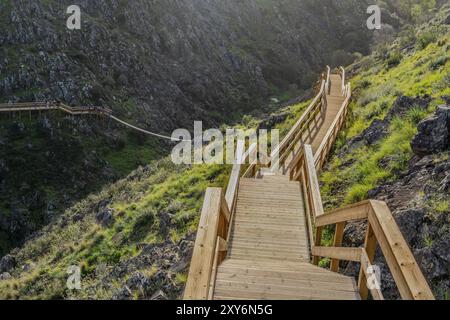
137, 204
425, 71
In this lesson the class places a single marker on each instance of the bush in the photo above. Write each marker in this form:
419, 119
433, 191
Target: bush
425, 39
365, 84
417, 114
439, 62
394, 59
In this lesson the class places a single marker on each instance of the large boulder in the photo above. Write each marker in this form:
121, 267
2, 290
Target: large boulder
105, 217
379, 129
7, 263
433, 133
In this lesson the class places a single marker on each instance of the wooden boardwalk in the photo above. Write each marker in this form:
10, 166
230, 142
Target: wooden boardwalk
268, 255
262, 238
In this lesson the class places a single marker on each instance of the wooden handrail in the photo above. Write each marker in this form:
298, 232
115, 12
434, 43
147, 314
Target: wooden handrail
210, 246
382, 230
343, 80
298, 130
41, 106
233, 183
213, 236
328, 81
332, 134
295, 168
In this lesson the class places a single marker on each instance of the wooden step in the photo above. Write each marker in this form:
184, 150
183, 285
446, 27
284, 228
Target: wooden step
286, 280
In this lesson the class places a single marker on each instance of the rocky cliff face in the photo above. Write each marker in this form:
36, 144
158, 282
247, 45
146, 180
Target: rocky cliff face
418, 200
173, 61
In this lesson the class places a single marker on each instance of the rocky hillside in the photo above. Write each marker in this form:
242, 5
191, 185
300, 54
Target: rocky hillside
396, 148
133, 238
173, 61
161, 64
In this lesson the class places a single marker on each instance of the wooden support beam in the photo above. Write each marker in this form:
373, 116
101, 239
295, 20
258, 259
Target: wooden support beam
338, 238
347, 254
212, 281
357, 211
317, 244
203, 257
409, 278
370, 246
313, 182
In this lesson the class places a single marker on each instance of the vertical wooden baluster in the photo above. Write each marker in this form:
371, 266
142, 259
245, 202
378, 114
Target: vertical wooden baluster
338, 237
317, 243
370, 245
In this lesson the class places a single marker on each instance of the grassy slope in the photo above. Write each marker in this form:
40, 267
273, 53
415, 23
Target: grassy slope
137, 202
424, 70
61, 160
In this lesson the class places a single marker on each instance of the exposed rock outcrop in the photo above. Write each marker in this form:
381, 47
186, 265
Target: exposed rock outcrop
7, 263
420, 207
380, 128
433, 133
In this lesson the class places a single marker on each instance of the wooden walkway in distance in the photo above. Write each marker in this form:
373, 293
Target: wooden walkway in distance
268, 253
334, 104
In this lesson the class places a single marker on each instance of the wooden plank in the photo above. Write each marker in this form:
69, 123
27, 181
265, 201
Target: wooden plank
233, 184
198, 283
354, 212
267, 246
337, 242
224, 210
292, 286
370, 245
288, 269
313, 185
268, 241
347, 254
283, 251
306, 282
212, 282
267, 293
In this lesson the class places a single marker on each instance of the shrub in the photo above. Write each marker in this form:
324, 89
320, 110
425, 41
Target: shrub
357, 193
426, 38
417, 114
438, 62
394, 59
365, 84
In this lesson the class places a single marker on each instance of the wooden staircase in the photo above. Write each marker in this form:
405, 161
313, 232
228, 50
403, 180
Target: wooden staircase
268, 254
262, 239
264, 231
271, 279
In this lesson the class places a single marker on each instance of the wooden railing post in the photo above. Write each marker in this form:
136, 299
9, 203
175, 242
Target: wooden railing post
410, 281
317, 243
210, 246
338, 237
370, 245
